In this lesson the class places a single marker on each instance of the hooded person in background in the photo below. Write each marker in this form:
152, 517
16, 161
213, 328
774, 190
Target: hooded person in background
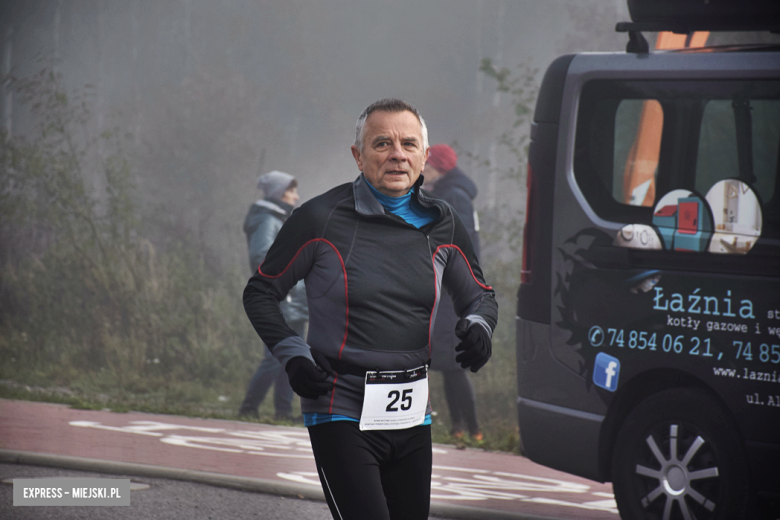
262, 224
445, 180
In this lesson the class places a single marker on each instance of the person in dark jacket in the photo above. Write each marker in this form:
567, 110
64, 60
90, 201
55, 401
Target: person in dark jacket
445, 180
376, 255
262, 224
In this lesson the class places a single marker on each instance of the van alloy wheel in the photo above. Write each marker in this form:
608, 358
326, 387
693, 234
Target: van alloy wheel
678, 456
674, 478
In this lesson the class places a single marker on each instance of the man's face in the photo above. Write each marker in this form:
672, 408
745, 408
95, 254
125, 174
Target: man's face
393, 155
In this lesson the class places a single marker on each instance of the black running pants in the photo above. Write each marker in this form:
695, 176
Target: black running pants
381, 475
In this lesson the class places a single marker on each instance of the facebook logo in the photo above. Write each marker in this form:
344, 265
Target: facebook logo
606, 372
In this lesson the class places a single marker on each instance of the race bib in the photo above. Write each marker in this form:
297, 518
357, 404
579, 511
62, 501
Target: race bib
395, 400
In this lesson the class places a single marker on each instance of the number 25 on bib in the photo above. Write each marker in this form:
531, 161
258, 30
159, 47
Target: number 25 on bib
395, 400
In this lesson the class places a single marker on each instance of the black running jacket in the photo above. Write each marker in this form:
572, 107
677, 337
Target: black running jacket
373, 284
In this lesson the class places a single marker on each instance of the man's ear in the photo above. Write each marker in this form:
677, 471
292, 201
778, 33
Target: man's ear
356, 155
425, 156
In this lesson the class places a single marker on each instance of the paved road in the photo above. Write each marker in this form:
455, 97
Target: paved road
156, 498
270, 460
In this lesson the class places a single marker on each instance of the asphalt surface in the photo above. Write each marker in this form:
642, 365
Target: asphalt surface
157, 498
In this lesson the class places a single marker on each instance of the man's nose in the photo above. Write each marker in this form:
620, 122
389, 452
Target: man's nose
398, 153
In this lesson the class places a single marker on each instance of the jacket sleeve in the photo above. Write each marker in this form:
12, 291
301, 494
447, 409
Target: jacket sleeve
472, 297
288, 260
261, 238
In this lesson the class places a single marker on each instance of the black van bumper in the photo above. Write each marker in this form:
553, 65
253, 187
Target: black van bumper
561, 438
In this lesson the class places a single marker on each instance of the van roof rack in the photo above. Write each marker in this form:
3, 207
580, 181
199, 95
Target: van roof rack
702, 25
637, 43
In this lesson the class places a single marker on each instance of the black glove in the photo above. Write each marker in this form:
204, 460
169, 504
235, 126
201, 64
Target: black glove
307, 379
475, 347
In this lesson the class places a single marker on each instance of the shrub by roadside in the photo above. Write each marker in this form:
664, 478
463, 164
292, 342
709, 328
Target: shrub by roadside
85, 299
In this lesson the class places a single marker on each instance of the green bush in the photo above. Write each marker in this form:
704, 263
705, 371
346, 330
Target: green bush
86, 299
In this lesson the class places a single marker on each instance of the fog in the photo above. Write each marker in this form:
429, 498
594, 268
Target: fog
135, 294
214, 93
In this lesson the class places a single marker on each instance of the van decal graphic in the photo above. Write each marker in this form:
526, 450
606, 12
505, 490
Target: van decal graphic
649, 318
737, 215
606, 371
727, 221
638, 236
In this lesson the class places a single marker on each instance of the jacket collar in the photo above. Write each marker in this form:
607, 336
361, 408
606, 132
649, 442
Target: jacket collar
275, 206
367, 204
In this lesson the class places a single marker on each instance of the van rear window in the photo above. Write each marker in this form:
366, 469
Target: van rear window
639, 140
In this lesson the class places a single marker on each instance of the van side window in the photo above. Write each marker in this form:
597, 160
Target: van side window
637, 141
638, 128
607, 127
718, 157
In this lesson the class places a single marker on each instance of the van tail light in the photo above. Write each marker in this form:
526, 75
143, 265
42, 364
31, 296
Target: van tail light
528, 238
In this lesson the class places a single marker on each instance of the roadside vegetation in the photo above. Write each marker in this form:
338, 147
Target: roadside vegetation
103, 306
86, 300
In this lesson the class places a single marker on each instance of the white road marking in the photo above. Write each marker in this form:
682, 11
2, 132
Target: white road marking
448, 483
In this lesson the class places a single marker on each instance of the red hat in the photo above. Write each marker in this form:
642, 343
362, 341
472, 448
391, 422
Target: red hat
442, 157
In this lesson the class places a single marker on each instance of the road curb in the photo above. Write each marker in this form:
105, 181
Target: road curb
259, 485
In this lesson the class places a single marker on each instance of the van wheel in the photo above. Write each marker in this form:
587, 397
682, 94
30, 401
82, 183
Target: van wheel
679, 456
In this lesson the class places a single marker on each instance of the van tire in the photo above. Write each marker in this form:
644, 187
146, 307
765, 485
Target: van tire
698, 419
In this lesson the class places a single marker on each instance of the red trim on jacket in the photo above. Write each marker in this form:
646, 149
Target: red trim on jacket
343, 270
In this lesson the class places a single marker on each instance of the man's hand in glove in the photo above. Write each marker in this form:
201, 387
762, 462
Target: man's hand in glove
307, 379
475, 346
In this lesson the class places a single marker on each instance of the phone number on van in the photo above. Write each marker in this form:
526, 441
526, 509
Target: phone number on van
679, 344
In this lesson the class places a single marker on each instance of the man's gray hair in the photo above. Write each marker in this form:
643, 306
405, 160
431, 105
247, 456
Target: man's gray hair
388, 105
